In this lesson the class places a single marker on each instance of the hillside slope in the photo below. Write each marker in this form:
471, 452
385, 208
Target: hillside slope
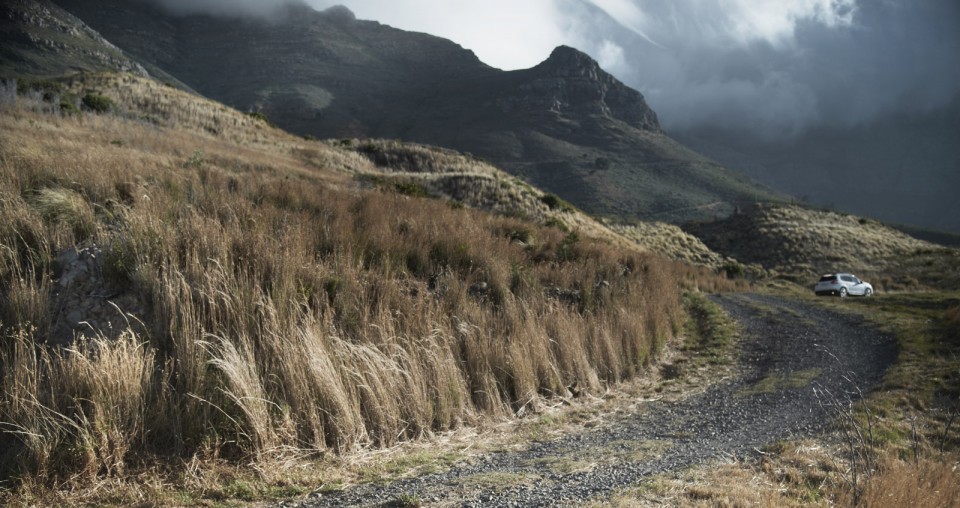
565, 125
803, 243
230, 292
41, 40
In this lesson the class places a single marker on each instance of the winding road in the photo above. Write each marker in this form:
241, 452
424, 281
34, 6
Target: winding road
788, 348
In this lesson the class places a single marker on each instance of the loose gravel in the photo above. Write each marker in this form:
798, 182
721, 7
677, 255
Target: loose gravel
788, 349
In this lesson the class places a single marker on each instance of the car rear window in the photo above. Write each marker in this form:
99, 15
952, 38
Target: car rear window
827, 278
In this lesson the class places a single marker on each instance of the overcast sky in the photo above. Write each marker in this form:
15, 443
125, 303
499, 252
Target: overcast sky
776, 67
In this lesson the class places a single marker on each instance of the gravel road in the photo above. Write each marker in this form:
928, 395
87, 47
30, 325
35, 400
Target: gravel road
787, 349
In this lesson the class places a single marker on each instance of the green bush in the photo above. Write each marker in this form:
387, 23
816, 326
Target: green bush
734, 269
68, 107
119, 263
550, 200
412, 189
555, 203
262, 117
195, 160
332, 287
97, 103
557, 223
49, 89
566, 250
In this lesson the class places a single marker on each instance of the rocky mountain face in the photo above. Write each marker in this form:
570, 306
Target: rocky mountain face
571, 83
565, 125
41, 39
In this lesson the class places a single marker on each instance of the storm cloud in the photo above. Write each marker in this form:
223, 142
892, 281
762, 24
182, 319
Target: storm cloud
781, 70
774, 67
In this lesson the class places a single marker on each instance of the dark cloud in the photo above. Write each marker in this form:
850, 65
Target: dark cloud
845, 67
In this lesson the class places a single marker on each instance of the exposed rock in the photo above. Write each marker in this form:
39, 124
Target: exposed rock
571, 82
479, 289
571, 296
57, 41
85, 303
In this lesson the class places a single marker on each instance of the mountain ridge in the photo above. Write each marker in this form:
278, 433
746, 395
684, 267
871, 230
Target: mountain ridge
565, 125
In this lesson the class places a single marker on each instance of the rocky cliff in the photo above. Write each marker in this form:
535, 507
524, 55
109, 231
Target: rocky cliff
571, 83
41, 39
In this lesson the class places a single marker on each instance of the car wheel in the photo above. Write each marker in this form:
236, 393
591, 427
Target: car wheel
868, 292
843, 292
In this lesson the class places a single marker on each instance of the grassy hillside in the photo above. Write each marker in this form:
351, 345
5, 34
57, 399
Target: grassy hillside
566, 125
181, 281
803, 243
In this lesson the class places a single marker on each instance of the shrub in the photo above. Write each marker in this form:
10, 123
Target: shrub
412, 189
119, 263
262, 117
555, 203
550, 200
47, 88
557, 223
68, 106
97, 103
733, 269
195, 160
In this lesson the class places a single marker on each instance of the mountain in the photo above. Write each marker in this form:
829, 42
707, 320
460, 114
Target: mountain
42, 40
901, 168
565, 125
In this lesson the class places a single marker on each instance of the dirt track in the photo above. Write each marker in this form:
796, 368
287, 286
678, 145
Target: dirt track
788, 349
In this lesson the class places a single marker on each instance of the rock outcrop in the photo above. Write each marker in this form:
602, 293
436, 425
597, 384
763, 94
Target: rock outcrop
86, 303
55, 42
571, 82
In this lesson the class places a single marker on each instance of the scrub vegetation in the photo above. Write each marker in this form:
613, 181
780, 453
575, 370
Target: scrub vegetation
800, 244
284, 309
298, 310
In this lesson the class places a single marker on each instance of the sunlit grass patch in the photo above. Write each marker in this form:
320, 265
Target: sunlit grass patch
775, 381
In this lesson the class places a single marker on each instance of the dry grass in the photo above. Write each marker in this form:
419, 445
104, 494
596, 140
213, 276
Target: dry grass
800, 474
925, 484
288, 313
803, 244
909, 425
671, 241
471, 182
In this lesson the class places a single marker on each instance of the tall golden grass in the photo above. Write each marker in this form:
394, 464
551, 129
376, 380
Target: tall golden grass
926, 483
285, 309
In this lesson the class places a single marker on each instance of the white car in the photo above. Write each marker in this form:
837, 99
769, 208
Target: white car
842, 284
